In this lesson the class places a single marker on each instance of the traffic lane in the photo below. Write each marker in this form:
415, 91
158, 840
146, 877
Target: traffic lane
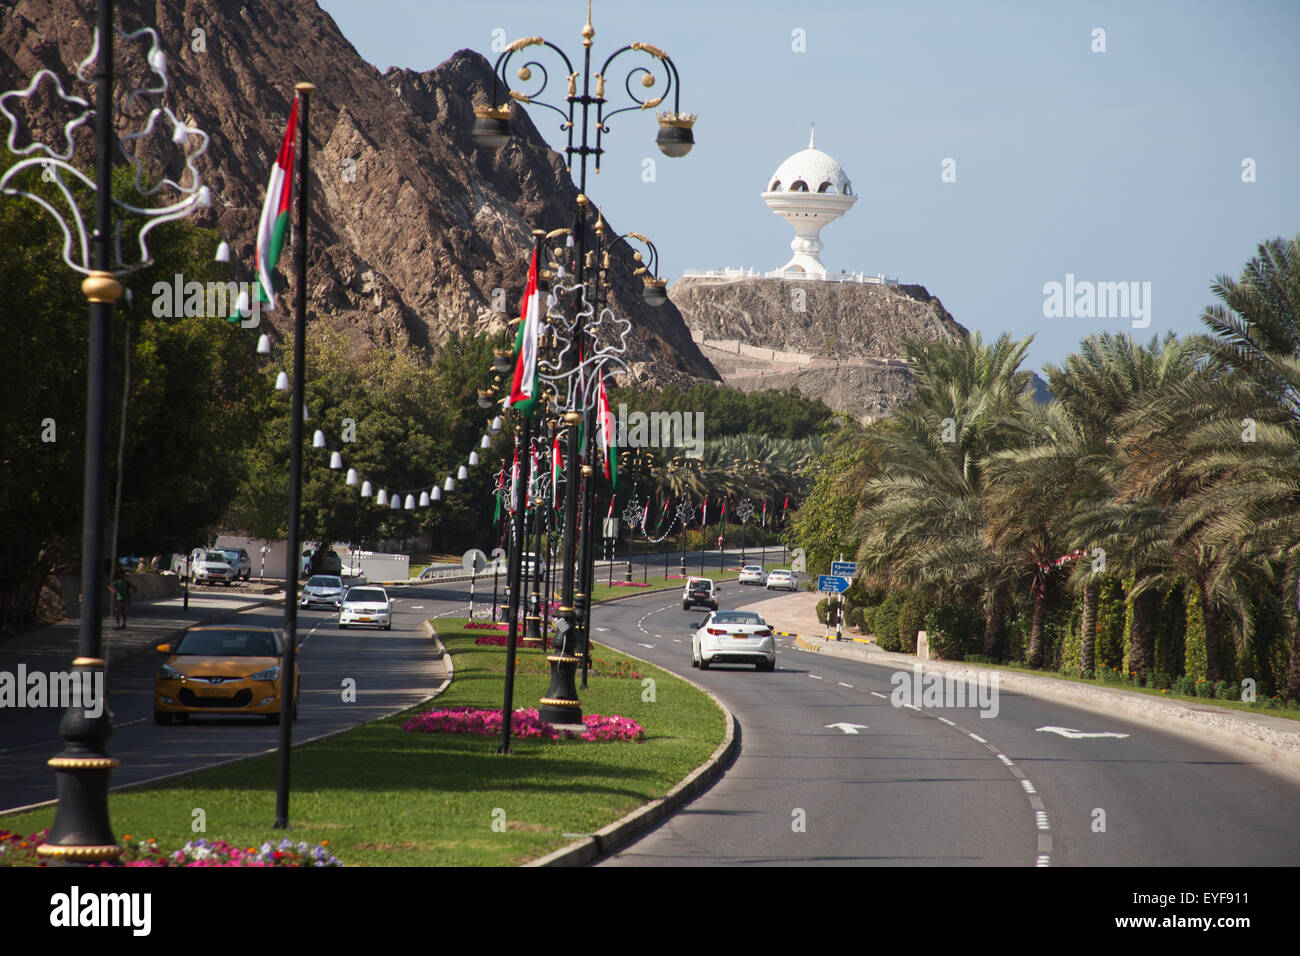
897, 792
389, 670
1153, 796
1157, 786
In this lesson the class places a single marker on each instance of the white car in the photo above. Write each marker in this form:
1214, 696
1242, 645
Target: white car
367, 605
752, 574
208, 565
782, 579
734, 637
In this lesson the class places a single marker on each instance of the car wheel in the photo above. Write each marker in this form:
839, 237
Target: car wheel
273, 718
162, 718
704, 665
685, 606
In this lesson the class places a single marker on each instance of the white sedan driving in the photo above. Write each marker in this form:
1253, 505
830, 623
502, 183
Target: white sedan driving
752, 574
734, 637
369, 606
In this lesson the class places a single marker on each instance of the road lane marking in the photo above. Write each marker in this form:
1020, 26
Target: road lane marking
876, 693
849, 728
842, 684
1072, 734
815, 677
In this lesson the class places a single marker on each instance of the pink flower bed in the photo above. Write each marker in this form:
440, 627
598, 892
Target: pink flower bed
525, 723
488, 625
631, 584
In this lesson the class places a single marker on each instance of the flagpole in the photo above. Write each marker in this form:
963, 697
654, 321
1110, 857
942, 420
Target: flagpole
288, 690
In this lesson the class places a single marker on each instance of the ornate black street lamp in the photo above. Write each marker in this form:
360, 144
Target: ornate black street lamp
81, 832
492, 131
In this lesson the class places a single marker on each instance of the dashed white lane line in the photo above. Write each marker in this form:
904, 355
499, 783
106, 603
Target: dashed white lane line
978, 738
1006, 760
876, 693
1040, 816
1029, 787
842, 684
815, 677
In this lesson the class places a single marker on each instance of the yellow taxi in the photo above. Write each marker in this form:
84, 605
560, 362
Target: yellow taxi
223, 670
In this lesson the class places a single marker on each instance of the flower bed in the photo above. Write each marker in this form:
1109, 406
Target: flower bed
630, 584
498, 626
17, 850
525, 723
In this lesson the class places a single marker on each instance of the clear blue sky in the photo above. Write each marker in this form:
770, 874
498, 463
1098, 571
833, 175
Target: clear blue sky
1123, 165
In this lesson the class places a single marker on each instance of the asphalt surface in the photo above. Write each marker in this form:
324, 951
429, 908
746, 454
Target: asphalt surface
392, 670
942, 786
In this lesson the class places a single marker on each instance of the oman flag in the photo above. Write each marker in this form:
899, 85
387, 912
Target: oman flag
605, 418
557, 466
524, 390
274, 223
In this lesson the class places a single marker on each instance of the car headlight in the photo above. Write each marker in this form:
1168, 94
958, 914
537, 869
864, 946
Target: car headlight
171, 673
271, 673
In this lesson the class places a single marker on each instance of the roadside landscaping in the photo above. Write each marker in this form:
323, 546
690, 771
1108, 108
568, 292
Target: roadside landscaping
379, 796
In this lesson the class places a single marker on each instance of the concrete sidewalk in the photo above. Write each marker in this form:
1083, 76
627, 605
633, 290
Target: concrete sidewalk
148, 623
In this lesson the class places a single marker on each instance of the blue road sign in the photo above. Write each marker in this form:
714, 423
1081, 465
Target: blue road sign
832, 583
844, 569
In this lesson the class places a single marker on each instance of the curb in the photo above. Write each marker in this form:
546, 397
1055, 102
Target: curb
618, 834
1172, 715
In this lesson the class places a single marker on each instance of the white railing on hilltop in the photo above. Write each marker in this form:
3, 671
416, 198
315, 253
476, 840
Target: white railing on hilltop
860, 277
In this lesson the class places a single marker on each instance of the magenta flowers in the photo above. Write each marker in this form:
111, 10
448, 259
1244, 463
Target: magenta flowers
525, 723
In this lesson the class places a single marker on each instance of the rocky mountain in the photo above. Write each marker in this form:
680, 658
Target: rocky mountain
413, 226
840, 342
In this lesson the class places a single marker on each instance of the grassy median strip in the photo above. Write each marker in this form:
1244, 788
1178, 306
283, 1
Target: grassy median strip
384, 797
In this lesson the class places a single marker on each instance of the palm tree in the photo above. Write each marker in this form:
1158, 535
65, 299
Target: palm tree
1245, 454
923, 523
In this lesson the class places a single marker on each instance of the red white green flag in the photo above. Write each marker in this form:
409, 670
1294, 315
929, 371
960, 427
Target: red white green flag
274, 224
524, 390
557, 466
608, 434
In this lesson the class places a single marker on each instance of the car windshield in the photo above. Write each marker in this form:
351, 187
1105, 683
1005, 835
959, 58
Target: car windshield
222, 643
737, 617
215, 556
324, 581
751, 567
368, 595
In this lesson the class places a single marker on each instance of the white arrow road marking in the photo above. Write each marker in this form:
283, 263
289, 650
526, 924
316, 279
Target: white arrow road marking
644, 645
849, 728
1073, 734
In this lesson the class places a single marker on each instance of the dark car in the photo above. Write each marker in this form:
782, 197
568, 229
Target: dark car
323, 561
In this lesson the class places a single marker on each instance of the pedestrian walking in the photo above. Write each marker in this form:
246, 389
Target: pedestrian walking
121, 589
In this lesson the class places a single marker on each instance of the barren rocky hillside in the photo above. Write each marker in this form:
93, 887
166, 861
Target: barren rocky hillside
413, 226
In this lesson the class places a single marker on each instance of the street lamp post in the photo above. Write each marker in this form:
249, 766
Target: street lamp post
492, 130
81, 832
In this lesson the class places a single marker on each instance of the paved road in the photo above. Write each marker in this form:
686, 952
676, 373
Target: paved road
943, 786
392, 670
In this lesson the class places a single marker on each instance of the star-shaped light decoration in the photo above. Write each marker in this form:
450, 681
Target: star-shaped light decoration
745, 510
56, 164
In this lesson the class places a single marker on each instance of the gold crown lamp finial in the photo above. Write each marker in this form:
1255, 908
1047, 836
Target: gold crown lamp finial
587, 31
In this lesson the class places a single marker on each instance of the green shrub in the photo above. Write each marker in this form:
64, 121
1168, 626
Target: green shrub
821, 609
1184, 685
911, 618
869, 619
887, 622
953, 630
1194, 639
1204, 688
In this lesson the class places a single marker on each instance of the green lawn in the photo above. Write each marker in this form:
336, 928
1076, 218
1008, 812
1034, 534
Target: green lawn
383, 797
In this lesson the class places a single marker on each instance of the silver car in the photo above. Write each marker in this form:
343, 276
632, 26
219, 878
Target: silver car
783, 579
322, 590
